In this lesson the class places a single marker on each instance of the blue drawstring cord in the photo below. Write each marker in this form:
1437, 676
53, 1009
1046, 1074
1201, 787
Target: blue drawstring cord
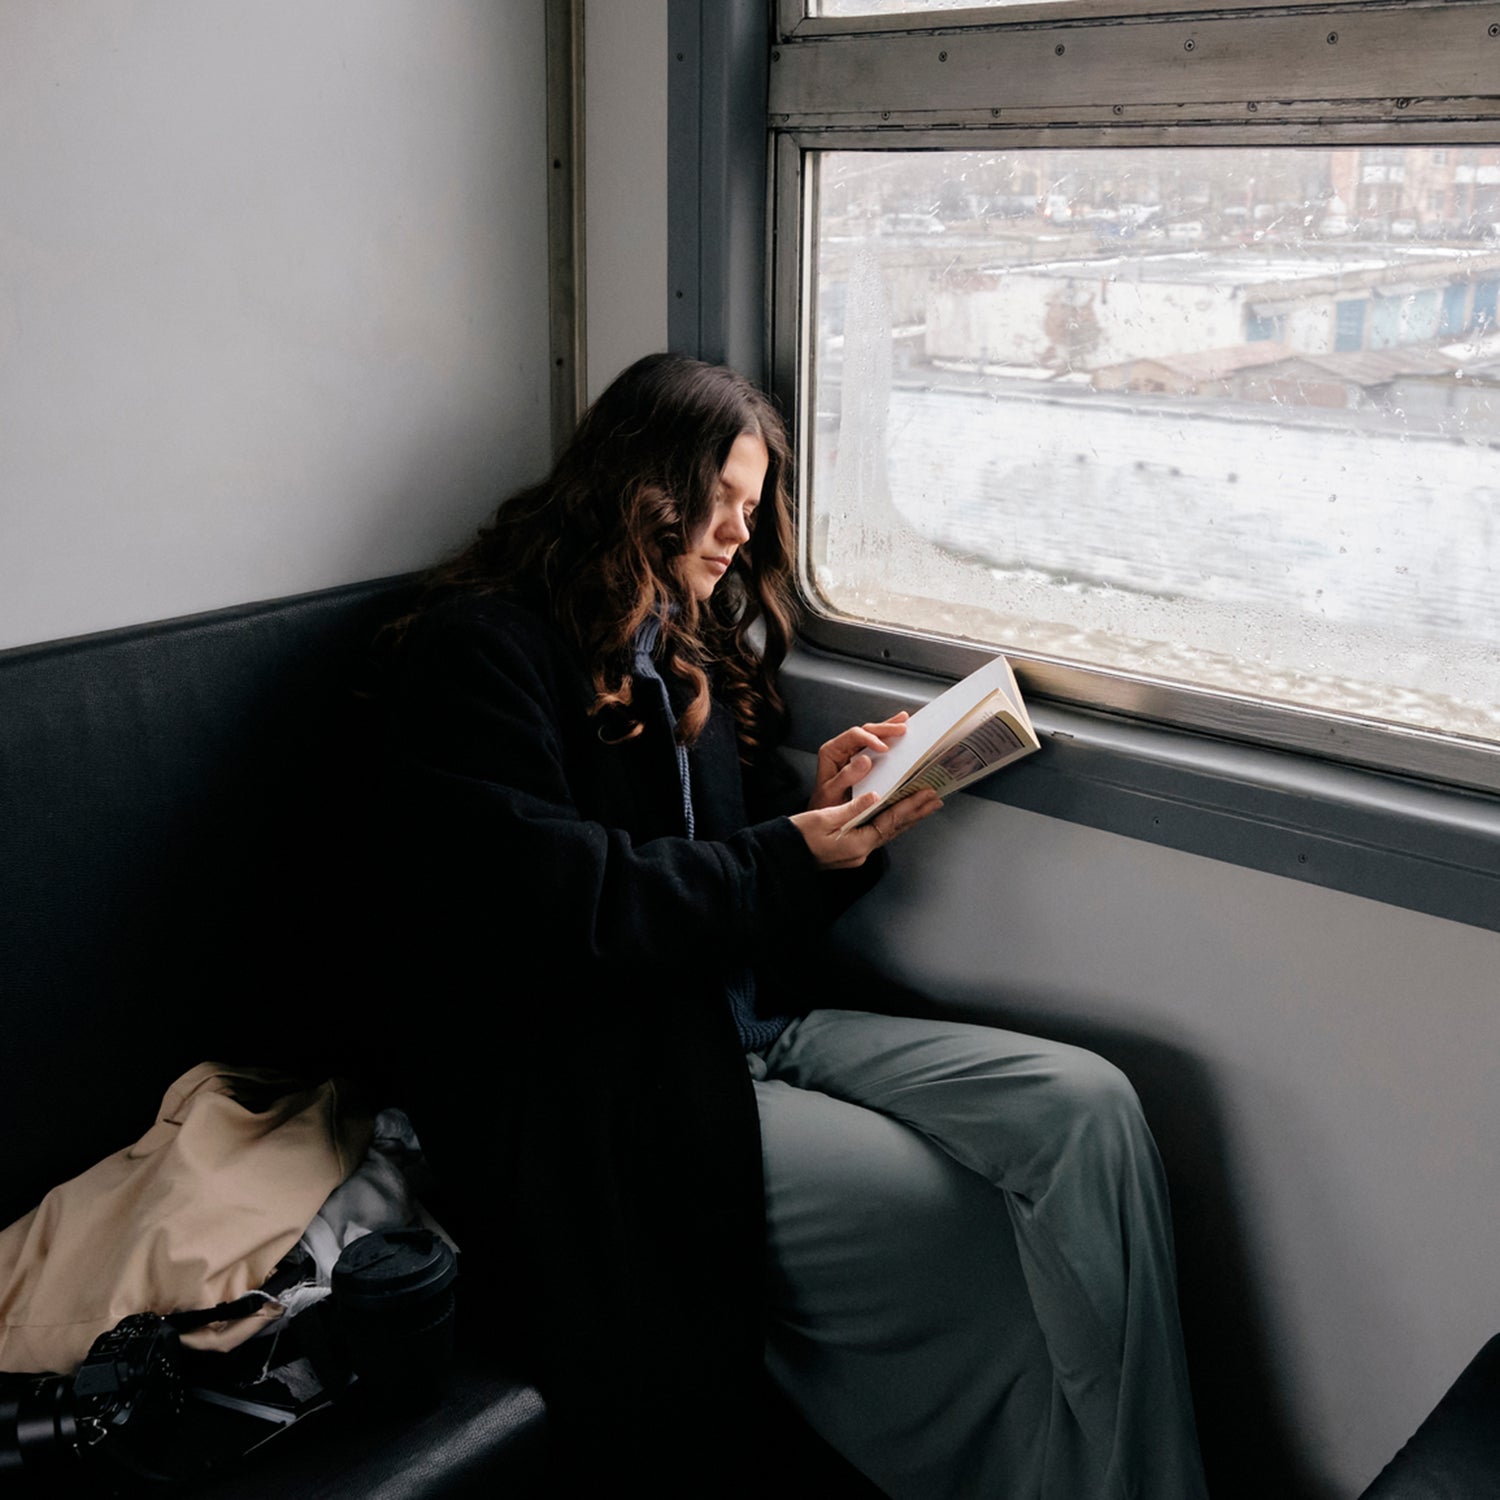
756, 1032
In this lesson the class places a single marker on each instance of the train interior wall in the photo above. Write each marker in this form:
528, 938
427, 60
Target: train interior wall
273, 294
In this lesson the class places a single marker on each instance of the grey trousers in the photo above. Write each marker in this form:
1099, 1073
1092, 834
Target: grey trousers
971, 1288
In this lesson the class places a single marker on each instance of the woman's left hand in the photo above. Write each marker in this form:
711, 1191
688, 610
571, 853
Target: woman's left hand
845, 760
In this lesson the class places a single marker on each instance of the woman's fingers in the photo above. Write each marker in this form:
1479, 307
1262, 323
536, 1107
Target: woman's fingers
821, 830
836, 846
842, 762
855, 771
838, 751
907, 813
845, 760
842, 748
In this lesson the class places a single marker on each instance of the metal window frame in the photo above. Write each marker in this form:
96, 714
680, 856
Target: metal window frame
1363, 72
1409, 844
717, 182
1428, 845
566, 281
792, 21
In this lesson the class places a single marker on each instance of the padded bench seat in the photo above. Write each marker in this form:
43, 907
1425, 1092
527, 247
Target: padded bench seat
488, 1437
180, 821
180, 809
1455, 1453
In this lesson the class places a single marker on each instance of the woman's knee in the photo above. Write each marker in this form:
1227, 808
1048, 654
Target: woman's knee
855, 1200
819, 1152
1092, 1085
1093, 1108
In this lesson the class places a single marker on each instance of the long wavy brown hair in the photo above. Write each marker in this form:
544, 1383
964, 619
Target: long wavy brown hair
596, 543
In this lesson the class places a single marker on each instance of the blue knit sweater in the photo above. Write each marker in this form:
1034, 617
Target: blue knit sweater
756, 1032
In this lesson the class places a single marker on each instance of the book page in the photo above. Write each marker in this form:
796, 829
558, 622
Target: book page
988, 745
931, 725
977, 726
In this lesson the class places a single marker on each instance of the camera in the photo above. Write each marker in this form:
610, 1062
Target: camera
128, 1388
142, 1407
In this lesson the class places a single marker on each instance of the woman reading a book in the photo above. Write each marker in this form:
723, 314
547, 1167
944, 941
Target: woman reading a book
699, 1154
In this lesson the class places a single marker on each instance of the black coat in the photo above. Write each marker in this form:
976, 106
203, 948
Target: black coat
565, 952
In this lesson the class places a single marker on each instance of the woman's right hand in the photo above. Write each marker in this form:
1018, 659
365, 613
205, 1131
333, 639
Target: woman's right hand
849, 757
835, 850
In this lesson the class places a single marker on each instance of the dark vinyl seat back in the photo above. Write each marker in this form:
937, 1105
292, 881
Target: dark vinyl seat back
181, 849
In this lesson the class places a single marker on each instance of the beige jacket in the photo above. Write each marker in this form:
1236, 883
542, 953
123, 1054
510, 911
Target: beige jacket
197, 1212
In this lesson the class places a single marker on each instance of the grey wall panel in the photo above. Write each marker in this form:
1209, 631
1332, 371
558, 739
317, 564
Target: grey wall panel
273, 295
717, 181
1412, 843
1319, 1070
627, 68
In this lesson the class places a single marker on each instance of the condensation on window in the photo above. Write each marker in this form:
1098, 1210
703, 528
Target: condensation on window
1228, 417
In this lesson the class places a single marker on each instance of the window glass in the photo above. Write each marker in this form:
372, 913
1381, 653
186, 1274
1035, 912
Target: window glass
1224, 416
851, 8
907, 7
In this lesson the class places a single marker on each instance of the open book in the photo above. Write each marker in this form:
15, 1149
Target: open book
977, 726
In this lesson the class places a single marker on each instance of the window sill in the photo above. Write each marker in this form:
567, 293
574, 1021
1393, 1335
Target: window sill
1412, 844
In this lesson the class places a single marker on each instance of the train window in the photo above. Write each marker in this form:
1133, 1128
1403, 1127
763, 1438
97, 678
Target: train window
875, 14
1224, 416
909, 7
1218, 420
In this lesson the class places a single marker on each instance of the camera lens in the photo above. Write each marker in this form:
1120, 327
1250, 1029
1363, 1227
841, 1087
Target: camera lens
393, 1313
37, 1426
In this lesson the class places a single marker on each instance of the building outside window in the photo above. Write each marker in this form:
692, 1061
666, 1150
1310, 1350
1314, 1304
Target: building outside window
1221, 415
